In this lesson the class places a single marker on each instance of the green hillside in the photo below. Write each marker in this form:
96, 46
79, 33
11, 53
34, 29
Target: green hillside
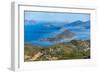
75, 49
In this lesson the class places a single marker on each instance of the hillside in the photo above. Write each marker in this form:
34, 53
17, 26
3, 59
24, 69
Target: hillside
75, 49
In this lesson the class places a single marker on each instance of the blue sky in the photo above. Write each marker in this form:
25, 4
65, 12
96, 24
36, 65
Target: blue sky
56, 17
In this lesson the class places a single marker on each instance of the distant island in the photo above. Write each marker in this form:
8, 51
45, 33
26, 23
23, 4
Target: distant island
65, 35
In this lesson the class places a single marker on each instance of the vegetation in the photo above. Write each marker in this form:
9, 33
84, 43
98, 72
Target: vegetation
75, 49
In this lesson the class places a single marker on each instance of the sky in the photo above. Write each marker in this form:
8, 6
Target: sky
56, 17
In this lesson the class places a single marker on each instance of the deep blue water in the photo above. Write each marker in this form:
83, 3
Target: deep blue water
34, 31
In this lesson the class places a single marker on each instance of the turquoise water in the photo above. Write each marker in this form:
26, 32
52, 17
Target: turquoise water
35, 31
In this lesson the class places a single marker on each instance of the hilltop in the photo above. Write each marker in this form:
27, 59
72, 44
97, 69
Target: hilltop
75, 49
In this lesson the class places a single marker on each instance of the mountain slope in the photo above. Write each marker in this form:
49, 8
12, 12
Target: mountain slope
75, 49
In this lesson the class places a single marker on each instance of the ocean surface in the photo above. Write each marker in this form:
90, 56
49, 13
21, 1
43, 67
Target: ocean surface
35, 31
